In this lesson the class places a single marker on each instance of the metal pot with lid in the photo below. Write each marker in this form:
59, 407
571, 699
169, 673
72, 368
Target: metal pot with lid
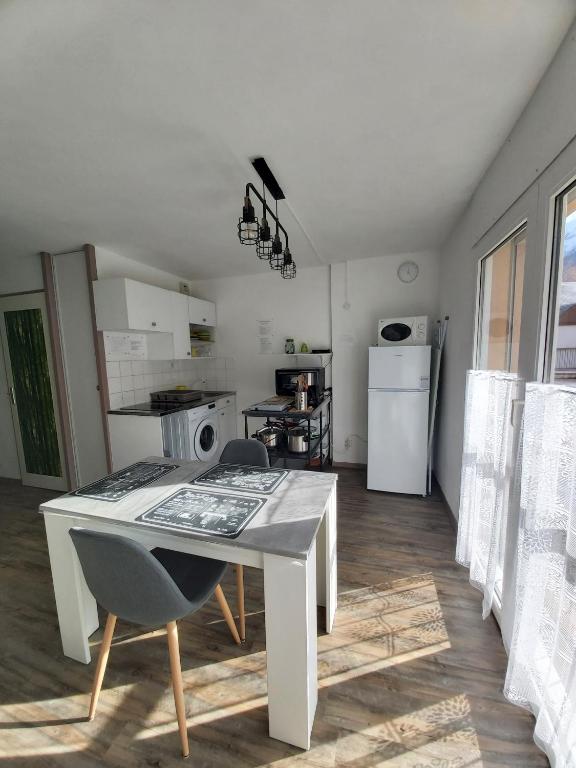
270, 436
298, 440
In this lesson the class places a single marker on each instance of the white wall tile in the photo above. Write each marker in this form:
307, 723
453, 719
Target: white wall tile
138, 380
128, 398
125, 368
116, 400
138, 367
112, 369
114, 385
127, 383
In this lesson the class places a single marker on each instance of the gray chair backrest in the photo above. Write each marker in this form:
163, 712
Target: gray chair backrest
127, 580
251, 452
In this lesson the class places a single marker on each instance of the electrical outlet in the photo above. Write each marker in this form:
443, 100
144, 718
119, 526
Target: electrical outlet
347, 443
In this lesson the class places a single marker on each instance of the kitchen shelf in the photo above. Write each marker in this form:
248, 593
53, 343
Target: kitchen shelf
322, 413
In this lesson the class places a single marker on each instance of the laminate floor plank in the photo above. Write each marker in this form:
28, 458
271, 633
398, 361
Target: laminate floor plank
411, 677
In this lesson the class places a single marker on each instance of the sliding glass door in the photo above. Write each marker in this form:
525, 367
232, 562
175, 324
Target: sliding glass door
560, 362
500, 305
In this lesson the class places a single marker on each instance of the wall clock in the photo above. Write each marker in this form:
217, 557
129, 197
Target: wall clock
408, 271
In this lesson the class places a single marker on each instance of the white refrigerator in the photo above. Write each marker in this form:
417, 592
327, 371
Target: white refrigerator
398, 401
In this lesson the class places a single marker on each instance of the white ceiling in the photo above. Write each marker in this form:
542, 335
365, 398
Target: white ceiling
130, 124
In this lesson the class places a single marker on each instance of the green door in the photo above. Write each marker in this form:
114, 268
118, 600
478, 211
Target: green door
29, 371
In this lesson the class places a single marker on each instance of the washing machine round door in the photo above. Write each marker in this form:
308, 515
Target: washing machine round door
206, 442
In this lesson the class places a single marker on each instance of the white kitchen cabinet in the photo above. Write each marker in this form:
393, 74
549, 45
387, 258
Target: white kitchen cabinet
181, 326
201, 312
132, 438
128, 305
227, 420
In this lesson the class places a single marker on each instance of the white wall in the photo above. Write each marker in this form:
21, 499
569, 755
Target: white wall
546, 126
110, 264
310, 308
19, 275
372, 290
298, 308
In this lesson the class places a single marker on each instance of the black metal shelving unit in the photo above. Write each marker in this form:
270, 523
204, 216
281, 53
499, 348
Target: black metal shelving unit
281, 456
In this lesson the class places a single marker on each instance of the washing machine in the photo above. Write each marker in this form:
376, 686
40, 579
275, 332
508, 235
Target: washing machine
204, 433
199, 433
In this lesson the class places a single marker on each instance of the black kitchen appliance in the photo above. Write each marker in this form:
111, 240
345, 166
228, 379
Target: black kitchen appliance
287, 382
176, 395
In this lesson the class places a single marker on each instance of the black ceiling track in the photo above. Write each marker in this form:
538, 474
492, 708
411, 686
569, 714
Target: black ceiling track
262, 169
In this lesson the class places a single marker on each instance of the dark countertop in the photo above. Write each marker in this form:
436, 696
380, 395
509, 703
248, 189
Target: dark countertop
163, 409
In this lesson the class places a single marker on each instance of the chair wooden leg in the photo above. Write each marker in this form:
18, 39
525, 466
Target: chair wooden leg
240, 598
225, 608
101, 665
176, 672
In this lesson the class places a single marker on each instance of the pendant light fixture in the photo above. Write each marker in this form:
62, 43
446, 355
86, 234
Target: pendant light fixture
254, 232
277, 255
264, 244
247, 223
288, 270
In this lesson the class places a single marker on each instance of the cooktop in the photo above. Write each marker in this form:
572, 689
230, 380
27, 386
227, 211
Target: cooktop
198, 511
119, 484
151, 408
241, 477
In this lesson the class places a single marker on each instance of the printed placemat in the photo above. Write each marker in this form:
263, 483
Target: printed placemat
196, 511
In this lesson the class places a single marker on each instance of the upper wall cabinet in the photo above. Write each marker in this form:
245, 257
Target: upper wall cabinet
201, 312
181, 325
128, 305
123, 304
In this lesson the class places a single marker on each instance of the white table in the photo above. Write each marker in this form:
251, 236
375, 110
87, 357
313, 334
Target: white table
292, 538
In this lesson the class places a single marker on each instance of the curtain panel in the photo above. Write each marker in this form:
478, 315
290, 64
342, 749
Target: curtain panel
542, 666
486, 478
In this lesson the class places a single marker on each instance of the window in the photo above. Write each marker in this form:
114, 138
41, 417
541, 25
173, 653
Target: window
500, 305
561, 347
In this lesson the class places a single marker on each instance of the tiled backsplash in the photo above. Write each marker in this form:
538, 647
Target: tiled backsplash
131, 381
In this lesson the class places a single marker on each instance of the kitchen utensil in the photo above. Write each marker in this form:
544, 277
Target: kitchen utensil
270, 436
301, 401
297, 440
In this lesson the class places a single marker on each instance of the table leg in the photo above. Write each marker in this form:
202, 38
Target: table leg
290, 602
326, 562
77, 612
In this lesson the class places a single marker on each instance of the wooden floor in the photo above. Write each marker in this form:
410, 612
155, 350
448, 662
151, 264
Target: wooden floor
411, 676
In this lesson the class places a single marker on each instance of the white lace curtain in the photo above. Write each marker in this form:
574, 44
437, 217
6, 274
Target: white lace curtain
542, 666
486, 476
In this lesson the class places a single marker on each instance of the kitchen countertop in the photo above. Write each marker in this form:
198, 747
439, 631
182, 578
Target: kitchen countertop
163, 409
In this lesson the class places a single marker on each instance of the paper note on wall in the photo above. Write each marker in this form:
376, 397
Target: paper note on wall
125, 346
265, 337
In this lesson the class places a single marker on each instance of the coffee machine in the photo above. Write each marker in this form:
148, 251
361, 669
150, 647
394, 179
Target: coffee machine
287, 382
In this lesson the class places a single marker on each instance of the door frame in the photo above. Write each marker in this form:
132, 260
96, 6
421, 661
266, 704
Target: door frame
34, 300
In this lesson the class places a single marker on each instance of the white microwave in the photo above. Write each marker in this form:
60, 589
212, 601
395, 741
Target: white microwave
403, 331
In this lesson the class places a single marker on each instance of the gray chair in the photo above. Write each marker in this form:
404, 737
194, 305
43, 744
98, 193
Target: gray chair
253, 453
147, 587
